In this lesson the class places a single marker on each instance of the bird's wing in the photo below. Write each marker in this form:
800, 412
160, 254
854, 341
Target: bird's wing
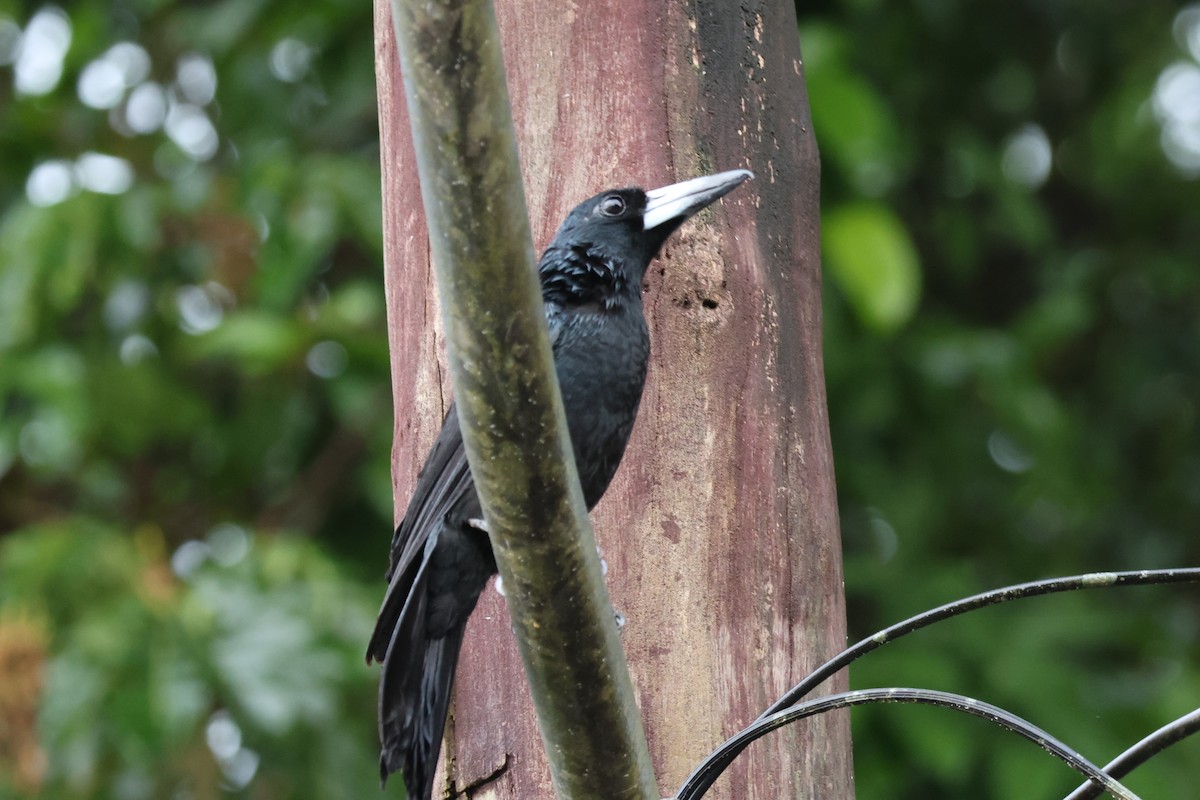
444, 488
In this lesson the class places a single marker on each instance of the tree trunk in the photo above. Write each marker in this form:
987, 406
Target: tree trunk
721, 528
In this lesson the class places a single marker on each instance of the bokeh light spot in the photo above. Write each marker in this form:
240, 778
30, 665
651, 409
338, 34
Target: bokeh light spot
197, 79
188, 558
1176, 104
190, 129
104, 174
1008, 454
48, 441
50, 183
135, 349
290, 59
40, 53
1027, 157
1186, 28
131, 60
228, 544
126, 304
326, 359
199, 311
101, 84
223, 736
146, 109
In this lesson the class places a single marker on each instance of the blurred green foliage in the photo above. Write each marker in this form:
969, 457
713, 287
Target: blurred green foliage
250, 669
194, 450
194, 434
1034, 411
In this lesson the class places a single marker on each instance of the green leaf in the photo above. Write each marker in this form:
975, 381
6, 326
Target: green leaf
258, 340
854, 124
873, 260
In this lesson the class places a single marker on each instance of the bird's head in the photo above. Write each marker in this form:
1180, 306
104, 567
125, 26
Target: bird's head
607, 241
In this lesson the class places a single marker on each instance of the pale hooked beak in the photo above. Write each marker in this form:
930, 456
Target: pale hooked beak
681, 200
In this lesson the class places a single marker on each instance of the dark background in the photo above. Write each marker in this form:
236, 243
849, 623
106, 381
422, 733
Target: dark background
195, 409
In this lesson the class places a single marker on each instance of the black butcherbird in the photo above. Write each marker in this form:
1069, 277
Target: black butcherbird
591, 276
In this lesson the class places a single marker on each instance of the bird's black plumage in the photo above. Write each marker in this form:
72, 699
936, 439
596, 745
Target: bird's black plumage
591, 277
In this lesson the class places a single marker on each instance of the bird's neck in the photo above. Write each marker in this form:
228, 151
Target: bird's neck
576, 276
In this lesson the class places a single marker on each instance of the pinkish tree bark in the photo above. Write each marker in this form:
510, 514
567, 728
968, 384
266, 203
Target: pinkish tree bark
721, 528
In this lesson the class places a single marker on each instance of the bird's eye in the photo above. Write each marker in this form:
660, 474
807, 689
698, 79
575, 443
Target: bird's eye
612, 206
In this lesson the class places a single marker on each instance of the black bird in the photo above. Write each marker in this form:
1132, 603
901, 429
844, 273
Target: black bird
441, 559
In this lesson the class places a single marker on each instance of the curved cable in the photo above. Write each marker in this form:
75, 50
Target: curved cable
720, 759
700, 781
1091, 580
1143, 751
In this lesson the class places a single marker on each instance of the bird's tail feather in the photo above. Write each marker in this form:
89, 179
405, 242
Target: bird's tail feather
418, 674
414, 720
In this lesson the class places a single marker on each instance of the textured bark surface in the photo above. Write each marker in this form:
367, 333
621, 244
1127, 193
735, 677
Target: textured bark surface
721, 527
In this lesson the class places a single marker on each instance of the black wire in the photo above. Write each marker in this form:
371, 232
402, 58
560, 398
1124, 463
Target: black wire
698, 784
720, 759
1093, 580
1143, 751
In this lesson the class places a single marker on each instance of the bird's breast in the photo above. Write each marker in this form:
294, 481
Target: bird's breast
601, 363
